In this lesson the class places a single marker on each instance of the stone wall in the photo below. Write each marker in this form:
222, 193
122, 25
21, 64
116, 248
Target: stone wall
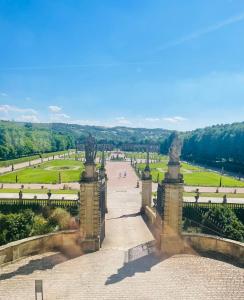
211, 243
203, 242
64, 241
151, 215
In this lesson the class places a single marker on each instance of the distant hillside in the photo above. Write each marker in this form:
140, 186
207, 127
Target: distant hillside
20, 139
218, 146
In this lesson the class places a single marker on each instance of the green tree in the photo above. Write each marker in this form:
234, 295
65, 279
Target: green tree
224, 220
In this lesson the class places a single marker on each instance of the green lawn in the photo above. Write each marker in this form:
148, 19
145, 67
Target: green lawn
47, 172
193, 175
6, 163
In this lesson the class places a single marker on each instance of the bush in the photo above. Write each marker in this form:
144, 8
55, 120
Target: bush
41, 226
16, 226
225, 220
60, 219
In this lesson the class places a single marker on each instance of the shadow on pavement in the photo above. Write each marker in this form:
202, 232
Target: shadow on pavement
41, 264
127, 216
139, 259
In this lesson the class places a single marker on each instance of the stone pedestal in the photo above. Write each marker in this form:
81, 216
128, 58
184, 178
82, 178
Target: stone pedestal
146, 194
146, 182
171, 242
171, 210
89, 208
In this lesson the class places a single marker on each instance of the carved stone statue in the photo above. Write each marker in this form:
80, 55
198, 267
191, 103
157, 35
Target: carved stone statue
175, 149
90, 149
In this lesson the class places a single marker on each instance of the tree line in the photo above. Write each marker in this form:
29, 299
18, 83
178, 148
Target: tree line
19, 139
220, 146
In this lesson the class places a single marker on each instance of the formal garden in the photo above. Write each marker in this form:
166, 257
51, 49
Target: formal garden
55, 171
193, 175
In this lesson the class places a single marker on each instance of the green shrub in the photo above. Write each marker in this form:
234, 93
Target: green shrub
41, 226
224, 220
16, 226
60, 219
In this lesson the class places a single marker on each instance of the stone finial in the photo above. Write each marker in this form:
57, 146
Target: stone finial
90, 149
147, 168
175, 149
146, 172
173, 174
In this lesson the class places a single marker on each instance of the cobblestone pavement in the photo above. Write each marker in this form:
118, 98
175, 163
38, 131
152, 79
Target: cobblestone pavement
126, 267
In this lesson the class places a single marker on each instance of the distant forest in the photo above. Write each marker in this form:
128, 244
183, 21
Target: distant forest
217, 146
220, 146
22, 139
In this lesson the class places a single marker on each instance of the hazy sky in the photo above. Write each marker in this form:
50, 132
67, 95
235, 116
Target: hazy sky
166, 64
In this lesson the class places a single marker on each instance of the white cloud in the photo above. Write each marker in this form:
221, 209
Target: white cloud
122, 121
86, 122
13, 109
28, 118
59, 118
152, 119
176, 119
54, 108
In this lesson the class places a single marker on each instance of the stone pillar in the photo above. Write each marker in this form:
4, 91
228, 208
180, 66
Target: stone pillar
146, 192
169, 203
172, 201
89, 208
146, 186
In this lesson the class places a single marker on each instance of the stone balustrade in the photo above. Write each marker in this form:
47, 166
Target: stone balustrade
64, 241
203, 242
210, 243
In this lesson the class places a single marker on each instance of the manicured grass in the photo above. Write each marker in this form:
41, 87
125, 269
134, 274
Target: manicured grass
47, 172
211, 179
193, 175
38, 191
6, 163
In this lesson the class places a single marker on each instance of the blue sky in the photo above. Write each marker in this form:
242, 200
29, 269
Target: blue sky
143, 63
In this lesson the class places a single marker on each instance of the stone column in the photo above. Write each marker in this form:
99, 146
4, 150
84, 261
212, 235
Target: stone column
146, 186
172, 201
146, 191
169, 203
89, 208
